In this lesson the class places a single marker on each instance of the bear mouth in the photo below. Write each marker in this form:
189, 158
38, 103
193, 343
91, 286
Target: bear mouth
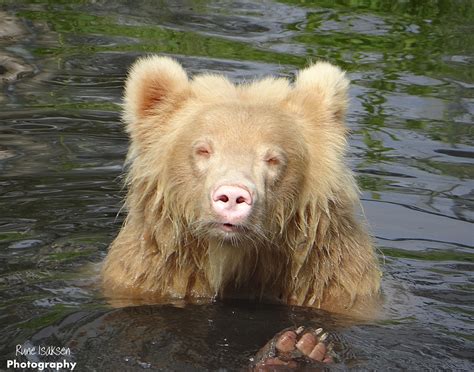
226, 230
228, 227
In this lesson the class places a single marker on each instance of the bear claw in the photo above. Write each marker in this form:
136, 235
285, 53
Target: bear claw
295, 348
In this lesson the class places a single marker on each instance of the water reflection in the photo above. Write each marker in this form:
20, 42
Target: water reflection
62, 147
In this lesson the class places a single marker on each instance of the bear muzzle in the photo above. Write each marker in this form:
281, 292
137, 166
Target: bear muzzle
232, 204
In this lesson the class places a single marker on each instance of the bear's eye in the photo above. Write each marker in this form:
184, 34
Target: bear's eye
203, 150
273, 160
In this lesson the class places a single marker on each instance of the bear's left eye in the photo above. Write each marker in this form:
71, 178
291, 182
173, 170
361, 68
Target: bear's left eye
274, 158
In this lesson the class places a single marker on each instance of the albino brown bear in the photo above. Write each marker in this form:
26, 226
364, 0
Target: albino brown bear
240, 191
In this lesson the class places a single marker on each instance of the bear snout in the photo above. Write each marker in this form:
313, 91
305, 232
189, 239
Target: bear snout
232, 203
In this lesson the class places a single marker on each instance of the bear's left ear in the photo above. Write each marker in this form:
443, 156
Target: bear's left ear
321, 90
154, 85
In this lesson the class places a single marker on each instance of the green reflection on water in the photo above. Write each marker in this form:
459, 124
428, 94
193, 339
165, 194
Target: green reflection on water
9, 236
373, 183
457, 309
460, 171
58, 312
434, 255
412, 35
105, 106
152, 39
66, 256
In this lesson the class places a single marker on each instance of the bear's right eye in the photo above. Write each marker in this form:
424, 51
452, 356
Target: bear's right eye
203, 150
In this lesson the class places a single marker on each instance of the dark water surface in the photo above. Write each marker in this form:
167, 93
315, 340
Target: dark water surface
62, 148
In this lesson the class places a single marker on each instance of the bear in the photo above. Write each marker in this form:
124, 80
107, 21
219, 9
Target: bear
240, 190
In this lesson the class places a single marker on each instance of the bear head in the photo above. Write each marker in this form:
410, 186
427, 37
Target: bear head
235, 163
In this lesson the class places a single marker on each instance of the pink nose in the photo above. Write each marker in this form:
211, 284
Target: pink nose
233, 203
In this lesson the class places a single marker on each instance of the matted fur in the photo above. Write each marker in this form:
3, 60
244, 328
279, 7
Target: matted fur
307, 247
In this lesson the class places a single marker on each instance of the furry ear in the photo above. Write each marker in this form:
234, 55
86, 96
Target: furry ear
322, 90
154, 84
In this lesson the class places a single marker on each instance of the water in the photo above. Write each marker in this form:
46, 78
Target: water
62, 148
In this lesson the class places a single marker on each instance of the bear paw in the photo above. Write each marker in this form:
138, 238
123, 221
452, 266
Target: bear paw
295, 349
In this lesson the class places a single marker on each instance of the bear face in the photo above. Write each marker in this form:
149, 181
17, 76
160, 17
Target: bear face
234, 164
239, 186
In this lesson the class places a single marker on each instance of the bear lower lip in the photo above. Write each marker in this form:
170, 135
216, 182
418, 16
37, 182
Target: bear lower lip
228, 227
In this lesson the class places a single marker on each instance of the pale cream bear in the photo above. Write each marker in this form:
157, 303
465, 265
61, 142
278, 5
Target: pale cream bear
240, 191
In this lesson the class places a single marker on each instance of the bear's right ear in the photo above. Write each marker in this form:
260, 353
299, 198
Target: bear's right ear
154, 86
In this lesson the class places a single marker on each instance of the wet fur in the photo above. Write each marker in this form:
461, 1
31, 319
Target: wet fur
306, 249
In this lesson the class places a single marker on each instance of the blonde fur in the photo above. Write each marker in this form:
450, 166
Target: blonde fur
305, 247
